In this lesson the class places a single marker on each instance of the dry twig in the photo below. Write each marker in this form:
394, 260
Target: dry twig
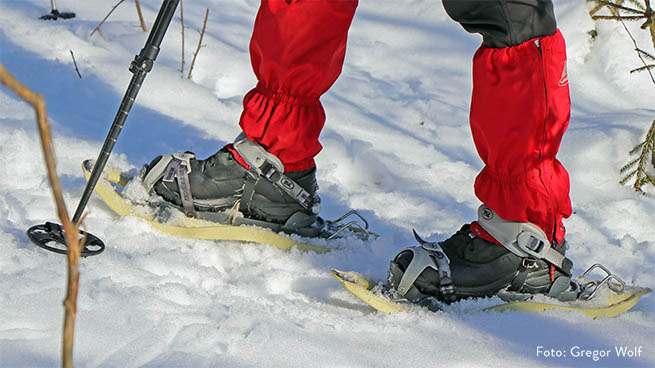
182, 23
70, 229
195, 54
105, 18
138, 11
75, 63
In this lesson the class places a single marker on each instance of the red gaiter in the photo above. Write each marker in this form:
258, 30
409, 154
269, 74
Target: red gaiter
520, 110
297, 52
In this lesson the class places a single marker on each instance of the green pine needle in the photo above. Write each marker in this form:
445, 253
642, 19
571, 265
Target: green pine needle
628, 166
638, 166
646, 55
635, 10
628, 177
637, 148
643, 68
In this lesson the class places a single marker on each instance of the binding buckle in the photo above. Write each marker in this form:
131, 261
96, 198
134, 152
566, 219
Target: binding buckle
521, 238
271, 168
532, 244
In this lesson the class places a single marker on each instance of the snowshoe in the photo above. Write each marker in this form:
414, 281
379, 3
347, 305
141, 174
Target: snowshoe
473, 264
605, 301
125, 194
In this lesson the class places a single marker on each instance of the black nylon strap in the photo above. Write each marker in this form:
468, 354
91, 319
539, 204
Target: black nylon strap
293, 189
566, 267
184, 187
446, 287
519, 280
264, 164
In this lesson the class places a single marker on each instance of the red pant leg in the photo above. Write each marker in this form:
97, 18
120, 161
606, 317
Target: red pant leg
297, 52
520, 110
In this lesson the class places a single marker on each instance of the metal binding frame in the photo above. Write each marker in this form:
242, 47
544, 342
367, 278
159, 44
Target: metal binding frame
617, 287
352, 225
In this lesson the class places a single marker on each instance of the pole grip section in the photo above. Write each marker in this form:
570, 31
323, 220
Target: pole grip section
140, 66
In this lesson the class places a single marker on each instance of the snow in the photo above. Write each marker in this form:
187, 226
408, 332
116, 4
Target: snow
397, 147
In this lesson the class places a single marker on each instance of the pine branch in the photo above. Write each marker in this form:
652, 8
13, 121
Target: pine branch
637, 148
650, 179
631, 18
628, 177
637, 5
600, 4
636, 168
596, 9
643, 68
615, 6
629, 165
651, 18
646, 55
647, 152
650, 11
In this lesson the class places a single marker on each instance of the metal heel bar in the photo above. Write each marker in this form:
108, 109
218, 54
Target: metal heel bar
590, 288
352, 225
353, 213
337, 227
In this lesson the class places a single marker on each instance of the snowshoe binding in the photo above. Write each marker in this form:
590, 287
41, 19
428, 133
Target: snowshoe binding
520, 271
243, 184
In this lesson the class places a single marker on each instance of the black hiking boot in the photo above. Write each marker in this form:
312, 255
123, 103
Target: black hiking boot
241, 177
468, 265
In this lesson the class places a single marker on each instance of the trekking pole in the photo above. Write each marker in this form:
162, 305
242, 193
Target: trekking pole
45, 234
55, 14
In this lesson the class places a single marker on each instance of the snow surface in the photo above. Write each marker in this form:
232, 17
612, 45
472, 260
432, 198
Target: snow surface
397, 148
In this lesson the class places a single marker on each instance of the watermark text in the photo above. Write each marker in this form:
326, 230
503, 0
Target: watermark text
595, 355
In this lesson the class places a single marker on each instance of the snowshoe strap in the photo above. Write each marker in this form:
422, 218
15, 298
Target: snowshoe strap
420, 261
171, 168
271, 168
564, 289
522, 238
428, 255
185, 159
182, 175
256, 156
522, 276
158, 172
179, 168
446, 286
